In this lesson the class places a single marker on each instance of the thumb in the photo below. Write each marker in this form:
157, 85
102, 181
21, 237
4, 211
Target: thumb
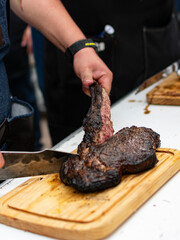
1, 161
87, 80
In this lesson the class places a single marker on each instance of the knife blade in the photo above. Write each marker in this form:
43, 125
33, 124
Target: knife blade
25, 164
174, 67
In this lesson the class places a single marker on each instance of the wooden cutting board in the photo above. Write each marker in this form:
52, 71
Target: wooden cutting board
44, 205
167, 92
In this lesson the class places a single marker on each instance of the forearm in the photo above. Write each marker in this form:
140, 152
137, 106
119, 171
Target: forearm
50, 18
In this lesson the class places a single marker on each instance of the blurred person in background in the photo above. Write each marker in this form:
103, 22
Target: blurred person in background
38, 51
18, 69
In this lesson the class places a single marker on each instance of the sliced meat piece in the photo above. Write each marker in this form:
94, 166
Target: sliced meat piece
97, 124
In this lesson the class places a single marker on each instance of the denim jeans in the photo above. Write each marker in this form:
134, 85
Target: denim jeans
16, 116
5, 102
17, 131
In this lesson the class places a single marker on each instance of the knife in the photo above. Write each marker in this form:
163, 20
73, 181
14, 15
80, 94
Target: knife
155, 78
160, 75
25, 164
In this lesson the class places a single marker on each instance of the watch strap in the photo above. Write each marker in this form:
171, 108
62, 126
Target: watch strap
75, 47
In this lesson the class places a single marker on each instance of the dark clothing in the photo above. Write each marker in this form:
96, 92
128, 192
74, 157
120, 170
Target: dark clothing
18, 71
138, 24
177, 5
125, 16
146, 40
5, 103
16, 117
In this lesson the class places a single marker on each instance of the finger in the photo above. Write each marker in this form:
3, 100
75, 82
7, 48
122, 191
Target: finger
105, 80
87, 80
105, 83
23, 42
24, 39
1, 161
86, 91
29, 47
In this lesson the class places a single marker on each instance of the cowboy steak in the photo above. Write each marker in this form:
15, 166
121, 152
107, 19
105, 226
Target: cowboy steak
104, 157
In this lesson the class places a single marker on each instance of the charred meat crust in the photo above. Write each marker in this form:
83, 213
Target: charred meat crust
92, 123
104, 157
77, 174
97, 124
131, 150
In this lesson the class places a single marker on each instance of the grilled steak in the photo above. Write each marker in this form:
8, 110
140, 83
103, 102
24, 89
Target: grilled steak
104, 157
130, 150
97, 123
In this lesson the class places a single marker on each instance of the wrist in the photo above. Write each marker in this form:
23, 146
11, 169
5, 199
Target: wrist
77, 46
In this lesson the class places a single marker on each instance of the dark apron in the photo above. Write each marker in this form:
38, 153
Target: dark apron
146, 40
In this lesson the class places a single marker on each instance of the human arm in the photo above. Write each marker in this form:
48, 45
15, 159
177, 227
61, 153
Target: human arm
51, 18
91, 68
1, 160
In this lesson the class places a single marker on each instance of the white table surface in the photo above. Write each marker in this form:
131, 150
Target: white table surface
159, 217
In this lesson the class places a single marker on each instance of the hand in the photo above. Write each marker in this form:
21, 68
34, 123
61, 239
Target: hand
89, 68
1, 160
27, 40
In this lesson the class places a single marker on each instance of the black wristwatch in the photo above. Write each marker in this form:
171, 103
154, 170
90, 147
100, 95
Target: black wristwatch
75, 47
